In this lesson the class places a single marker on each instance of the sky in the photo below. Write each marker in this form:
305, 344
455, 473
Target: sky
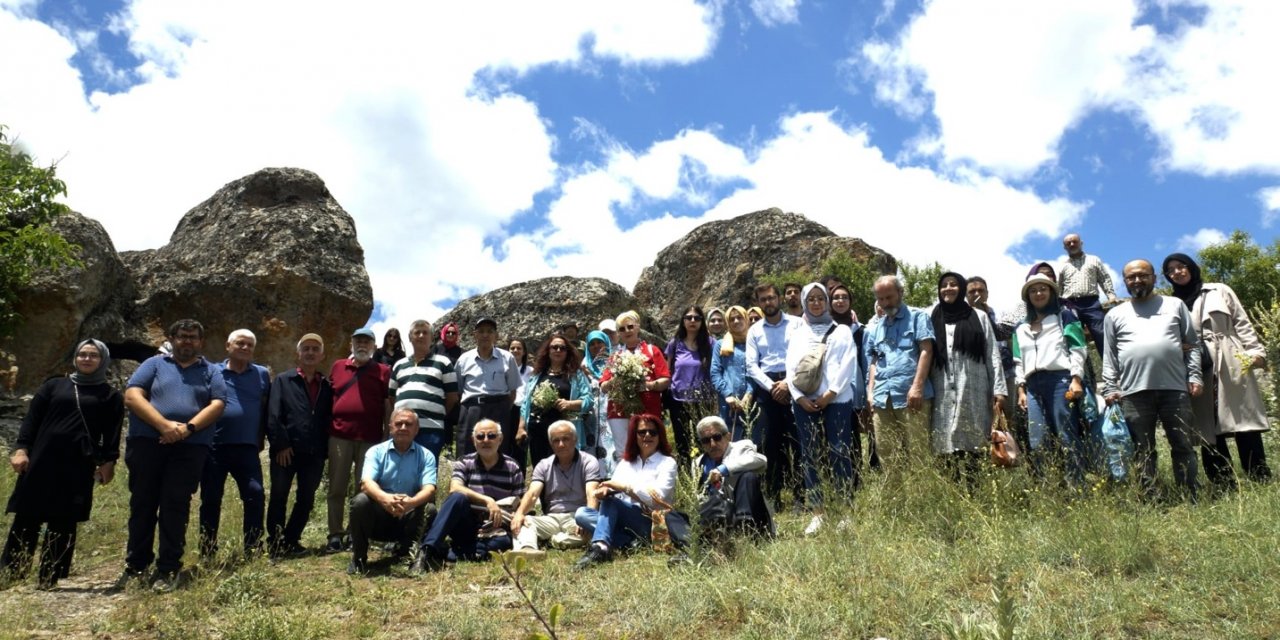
482, 143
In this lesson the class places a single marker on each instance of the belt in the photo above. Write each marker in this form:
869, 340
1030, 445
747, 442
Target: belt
776, 375
479, 400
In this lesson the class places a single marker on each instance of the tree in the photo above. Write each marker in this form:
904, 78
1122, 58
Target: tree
920, 284
859, 277
27, 243
1252, 271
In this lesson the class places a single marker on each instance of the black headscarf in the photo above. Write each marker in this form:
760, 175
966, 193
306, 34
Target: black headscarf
969, 337
845, 318
1191, 290
1035, 268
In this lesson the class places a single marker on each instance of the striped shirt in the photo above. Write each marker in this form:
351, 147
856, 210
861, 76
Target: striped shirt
422, 386
504, 480
1080, 276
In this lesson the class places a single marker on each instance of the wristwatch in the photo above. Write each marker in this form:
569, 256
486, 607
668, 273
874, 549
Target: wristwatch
191, 427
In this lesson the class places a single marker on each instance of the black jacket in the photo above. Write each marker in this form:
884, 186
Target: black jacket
293, 421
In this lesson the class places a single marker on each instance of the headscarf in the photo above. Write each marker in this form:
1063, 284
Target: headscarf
449, 343
726, 343
970, 340
757, 310
1035, 268
845, 318
99, 376
596, 365
817, 323
1188, 292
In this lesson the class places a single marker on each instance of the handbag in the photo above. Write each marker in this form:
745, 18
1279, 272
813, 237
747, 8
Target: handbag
1005, 451
808, 376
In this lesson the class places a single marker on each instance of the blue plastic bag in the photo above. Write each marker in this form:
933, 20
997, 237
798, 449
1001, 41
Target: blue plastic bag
1111, 443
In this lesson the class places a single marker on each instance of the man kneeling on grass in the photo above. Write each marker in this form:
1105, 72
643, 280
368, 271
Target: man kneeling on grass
397, 492
565, 481
472, 521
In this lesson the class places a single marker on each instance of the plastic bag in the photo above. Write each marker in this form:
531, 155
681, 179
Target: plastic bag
1111, 443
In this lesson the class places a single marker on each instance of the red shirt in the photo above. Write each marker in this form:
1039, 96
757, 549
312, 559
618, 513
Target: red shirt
657, 369
357, 411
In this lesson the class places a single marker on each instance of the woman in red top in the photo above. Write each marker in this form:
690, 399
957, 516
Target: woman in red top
657, 380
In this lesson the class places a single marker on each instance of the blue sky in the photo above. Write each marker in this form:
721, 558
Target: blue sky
521, 140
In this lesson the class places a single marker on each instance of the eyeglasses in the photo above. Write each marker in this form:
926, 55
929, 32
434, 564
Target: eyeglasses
647, 433
488, 436
186, 337
630, 327
693, 318
451, 333
712, 438
557, 347
1138, 276
838, 297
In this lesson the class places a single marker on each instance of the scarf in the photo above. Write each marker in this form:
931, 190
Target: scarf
727, 342
446, 341
1188, 292
818, 324
99, 375
845, 318
596, 365
759, 312
969, 337
1035, 268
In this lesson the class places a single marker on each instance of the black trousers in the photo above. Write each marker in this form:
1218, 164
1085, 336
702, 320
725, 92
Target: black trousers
55, 554
308, 470
369, 521
241, 462
779, 444
499, 412
1217, 458
162, 479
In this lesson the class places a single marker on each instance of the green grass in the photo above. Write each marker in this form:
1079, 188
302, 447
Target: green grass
929, 561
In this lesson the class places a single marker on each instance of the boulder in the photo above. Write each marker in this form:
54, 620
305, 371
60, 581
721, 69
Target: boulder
531, 310
272, 252
719, 263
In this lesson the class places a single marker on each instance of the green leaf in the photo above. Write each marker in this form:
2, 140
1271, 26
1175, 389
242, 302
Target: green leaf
554, 615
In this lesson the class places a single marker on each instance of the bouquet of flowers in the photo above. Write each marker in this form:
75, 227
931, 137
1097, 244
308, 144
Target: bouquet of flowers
545, 396
629, 372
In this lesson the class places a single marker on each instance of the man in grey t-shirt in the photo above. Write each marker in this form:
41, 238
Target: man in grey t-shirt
1150, 364
565, 481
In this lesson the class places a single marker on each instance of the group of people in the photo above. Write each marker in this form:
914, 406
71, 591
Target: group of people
776, 398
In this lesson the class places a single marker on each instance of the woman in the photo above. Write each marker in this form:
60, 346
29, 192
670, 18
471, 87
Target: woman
1048, 358
729, 376
392, 349
645, 480
968, 383
556, 364
448, 345
1231, 406
69, 439
688, 355
657, 377
843, 313
754, 315
517, 348
595, 423
716, 322
824, 418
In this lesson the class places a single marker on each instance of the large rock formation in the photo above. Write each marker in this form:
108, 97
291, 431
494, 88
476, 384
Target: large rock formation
719, 263
272, 252
531, 310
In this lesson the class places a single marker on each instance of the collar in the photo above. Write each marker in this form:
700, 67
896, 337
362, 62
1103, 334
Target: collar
198, 361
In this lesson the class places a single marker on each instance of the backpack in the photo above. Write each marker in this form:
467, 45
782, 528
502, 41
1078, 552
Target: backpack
808, 375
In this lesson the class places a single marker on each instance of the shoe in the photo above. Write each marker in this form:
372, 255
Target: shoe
356, 567
334, 546
399, 551
46, 584
529, 554
426, 562
126, 577
165, 582
595, 554
814, 525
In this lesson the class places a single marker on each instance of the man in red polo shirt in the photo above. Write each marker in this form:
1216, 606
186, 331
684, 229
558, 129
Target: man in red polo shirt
359, 402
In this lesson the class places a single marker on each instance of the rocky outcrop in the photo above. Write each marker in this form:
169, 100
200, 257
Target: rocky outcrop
719, 263
272, 252
531, 310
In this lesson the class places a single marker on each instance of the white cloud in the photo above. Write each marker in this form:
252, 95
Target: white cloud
771, 13
1270, 199
1193, 242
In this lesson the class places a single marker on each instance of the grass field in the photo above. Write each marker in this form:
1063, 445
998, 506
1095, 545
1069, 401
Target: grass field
1016, 558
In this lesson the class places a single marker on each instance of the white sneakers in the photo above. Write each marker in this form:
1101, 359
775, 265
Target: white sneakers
814, 525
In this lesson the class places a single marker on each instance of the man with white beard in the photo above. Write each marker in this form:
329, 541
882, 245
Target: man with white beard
900, 347
359, 403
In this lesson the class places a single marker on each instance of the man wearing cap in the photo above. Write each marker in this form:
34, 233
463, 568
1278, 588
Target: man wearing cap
299, 414
426, 383
610, 328
360, 387
488, 377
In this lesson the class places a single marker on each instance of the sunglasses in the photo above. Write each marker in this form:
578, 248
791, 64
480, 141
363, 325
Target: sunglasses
647, 433
488, 436
557, 347
693, 318
714, 438
630, 327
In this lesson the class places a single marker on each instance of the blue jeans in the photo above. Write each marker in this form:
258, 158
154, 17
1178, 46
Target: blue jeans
830, 433
432, 439
1049, 413
618, 523
738, 425
458, 522
1173, 409
242, 463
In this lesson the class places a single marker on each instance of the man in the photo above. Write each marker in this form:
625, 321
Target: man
730, 470
564, 481
472, 522
236, 445
976, 293
766, 358
610, 328
299, 414
397, 492
791, 293
570, 332
1079, 279
360, 388
174, 401
1152, 368
425, 383
901, 355
488, 378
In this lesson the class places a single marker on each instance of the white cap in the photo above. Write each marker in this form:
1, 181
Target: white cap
608, 325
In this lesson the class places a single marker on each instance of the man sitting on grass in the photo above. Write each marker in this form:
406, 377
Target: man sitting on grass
565, 481
397, 492
729, 474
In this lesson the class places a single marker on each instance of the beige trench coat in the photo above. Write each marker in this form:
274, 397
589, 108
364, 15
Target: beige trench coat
1232, 399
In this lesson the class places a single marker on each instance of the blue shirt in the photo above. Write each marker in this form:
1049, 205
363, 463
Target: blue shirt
729, 373
397, 472
178, 393
767, 349
894, 344
241, 420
